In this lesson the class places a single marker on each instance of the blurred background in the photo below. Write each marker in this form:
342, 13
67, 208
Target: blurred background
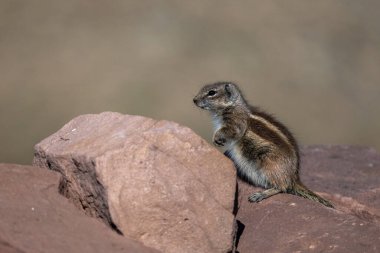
313, 64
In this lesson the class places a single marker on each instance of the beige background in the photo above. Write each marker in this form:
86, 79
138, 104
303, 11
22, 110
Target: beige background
314, 64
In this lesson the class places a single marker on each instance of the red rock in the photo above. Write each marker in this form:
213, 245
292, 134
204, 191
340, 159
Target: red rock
154, 181
349, 176
34, 217
5, 247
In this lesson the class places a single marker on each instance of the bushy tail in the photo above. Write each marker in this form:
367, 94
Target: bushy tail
302, 191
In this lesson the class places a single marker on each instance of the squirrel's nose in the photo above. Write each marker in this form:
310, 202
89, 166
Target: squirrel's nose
195, 100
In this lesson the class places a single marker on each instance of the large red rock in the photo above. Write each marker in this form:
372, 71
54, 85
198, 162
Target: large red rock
349, 177
35, 218
154, 181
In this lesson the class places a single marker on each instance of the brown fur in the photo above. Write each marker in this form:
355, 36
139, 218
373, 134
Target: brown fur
264, 151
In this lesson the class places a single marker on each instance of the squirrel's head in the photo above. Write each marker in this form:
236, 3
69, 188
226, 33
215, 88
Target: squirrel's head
218, 96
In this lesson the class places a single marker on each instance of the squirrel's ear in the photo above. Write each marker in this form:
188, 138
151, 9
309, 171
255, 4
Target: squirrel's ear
230, 90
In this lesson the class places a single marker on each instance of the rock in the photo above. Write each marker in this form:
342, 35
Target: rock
349, 177
5, 247
154, 181
34, 217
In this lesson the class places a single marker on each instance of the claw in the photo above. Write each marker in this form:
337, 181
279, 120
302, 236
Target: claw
220, 142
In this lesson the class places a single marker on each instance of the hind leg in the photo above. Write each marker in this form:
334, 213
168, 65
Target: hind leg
258, 196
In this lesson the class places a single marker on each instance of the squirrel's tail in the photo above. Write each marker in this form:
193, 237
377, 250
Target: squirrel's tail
301, 190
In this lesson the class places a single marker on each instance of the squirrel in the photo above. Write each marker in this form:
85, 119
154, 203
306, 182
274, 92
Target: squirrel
264, 151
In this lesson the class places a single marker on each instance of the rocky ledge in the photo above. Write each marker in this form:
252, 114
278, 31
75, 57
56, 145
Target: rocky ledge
155, 185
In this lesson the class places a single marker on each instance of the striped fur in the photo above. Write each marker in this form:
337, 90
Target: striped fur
264, 151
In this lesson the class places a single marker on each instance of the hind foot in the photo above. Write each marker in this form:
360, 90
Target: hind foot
258, 196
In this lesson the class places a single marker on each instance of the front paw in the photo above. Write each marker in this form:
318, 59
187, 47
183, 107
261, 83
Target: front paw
219, 139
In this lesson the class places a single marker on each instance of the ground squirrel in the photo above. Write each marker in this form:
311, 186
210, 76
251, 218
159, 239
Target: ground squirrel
264, 151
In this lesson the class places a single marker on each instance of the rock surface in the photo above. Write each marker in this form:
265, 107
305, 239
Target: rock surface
34, 217
154, 181
349, 177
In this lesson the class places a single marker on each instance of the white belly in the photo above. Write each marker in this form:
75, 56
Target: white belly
248, 169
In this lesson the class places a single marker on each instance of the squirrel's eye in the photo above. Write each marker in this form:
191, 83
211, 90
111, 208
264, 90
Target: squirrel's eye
211, 93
